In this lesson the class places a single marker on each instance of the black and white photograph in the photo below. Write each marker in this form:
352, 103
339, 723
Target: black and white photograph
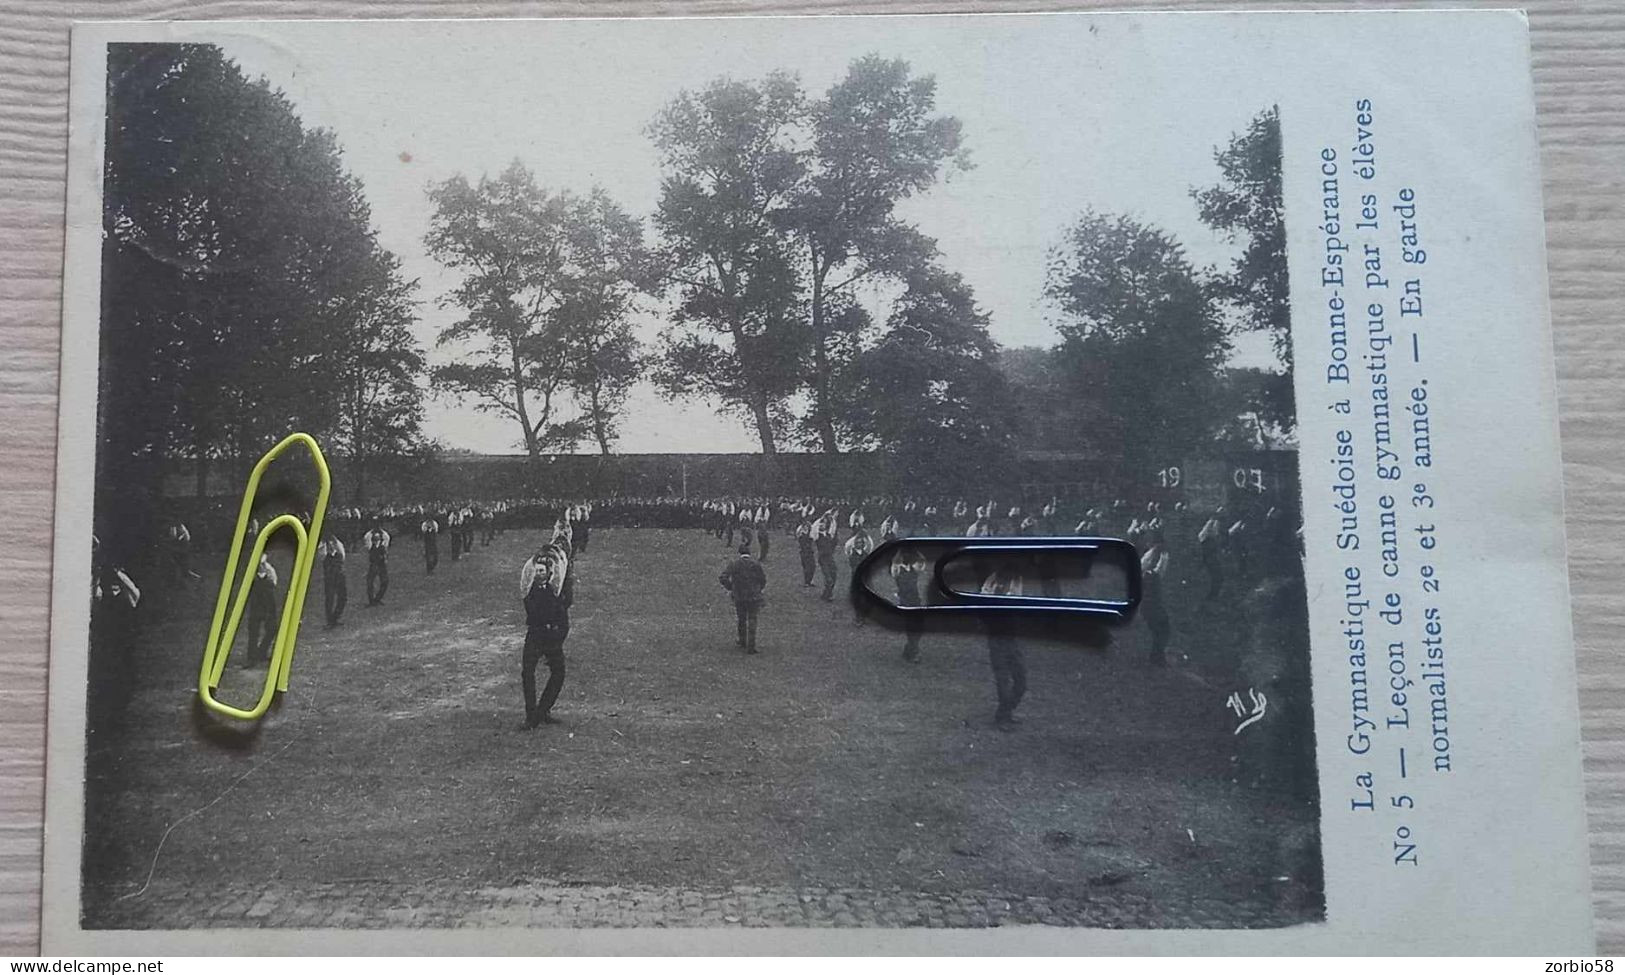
626, 344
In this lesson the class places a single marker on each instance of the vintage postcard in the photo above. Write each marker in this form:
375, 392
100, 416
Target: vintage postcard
631, 345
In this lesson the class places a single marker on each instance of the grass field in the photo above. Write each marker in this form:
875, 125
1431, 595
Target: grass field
823, 781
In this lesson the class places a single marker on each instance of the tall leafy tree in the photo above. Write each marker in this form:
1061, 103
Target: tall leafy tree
729, 167
1050, 415
930, 391
509, 238
1245, 208
875, 141
232, 238
383, 407
1143, 339
612, 269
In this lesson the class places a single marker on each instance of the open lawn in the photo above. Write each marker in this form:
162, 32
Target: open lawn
823, 781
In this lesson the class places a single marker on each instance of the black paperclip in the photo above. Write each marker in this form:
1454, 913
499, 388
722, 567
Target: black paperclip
946, 599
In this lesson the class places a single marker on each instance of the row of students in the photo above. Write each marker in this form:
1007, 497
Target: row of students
819, 537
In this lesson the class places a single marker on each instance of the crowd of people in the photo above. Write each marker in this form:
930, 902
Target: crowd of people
1212, 551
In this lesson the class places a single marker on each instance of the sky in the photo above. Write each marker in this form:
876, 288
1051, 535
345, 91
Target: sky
1060, 114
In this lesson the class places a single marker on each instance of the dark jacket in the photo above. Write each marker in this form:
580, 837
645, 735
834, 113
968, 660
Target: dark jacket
545, 608
745, 578
262, 601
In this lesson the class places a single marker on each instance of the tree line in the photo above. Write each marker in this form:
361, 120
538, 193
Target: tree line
797, 299
244, 293
244, 289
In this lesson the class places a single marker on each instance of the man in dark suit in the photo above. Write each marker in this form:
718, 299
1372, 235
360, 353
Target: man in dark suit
1004, 650
764, 519
825, 542
263, 608
335, 589
376, 542
809, 559
431, 543
581, 529
745, 579
908, 566
548, 591
858, 548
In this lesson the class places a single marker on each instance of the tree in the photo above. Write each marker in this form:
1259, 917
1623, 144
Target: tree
508, 237
1246, 208
930, 392
1050, 415
612, 269
1142, 339
774, 209
232, 242
1247, 399
874, 143
604, 367
383, 409
729, 167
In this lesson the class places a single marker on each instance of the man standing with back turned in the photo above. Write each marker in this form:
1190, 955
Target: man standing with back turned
745, 579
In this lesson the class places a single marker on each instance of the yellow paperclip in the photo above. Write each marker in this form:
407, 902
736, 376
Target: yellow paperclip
218, 648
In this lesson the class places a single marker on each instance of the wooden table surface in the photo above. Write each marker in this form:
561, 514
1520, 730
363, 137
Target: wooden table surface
1579, 66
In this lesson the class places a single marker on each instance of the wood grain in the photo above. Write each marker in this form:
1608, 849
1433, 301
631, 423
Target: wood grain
1579, 66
